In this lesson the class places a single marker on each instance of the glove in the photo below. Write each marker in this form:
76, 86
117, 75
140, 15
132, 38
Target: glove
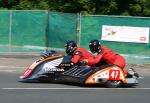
84, 61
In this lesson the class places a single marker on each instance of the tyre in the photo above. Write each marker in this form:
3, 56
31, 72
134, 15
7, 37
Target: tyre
113, 84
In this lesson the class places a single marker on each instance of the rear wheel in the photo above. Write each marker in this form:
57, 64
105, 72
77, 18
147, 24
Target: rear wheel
113, 84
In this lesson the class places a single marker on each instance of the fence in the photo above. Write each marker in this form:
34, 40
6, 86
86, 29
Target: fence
134, 52
21, 29
37, 30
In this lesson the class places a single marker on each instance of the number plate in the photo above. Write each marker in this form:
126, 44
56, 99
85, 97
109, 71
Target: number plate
114, 75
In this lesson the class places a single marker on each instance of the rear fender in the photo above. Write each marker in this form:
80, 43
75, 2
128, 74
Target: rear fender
109, 73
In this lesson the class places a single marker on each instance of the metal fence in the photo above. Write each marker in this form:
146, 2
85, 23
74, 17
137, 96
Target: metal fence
37, 30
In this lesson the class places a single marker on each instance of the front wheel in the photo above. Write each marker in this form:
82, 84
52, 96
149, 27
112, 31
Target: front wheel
113, 84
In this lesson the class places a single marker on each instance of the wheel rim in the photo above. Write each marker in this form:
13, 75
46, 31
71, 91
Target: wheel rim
115, 82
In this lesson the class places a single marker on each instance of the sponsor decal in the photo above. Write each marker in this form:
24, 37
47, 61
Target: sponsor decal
125, 34
27, 72
54, 69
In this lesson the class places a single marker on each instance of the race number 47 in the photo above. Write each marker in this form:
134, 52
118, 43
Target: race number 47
114, 75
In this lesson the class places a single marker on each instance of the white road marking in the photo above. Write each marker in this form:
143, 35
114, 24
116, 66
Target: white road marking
75, 88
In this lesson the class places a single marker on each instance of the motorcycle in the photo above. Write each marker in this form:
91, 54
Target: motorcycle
48, 68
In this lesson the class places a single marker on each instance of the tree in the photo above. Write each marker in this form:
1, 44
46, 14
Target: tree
102, 7
32, 4
146, 8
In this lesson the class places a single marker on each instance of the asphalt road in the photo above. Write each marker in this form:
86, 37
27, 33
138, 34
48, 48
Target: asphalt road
12, 91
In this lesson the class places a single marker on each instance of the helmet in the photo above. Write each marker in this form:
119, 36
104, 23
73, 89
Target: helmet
70, 46
94, 46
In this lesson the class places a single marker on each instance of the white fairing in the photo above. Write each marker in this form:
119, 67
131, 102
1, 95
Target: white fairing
51, 65
103, 75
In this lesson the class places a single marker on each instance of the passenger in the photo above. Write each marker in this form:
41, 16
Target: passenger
105, 54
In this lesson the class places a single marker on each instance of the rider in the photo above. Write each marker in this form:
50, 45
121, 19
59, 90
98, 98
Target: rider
78, 54
104, 54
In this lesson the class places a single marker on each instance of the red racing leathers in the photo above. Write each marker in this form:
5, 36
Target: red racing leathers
109, 56
81, 54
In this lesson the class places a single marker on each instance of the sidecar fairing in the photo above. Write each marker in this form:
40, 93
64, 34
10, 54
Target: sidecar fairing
42, 69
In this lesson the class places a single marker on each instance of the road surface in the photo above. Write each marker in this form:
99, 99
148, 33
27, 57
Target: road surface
12, 91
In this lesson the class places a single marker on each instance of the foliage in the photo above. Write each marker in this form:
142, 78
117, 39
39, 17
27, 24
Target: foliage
102, 7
